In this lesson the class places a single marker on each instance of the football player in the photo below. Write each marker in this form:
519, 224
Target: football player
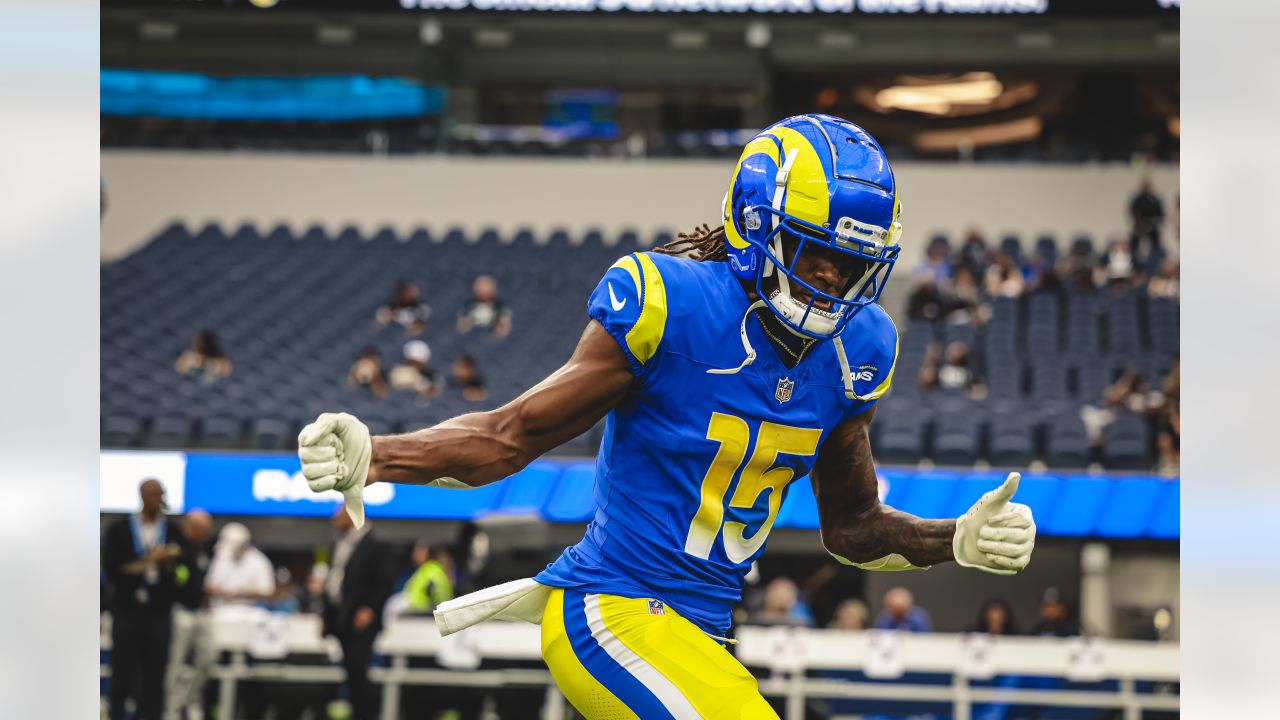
728, 363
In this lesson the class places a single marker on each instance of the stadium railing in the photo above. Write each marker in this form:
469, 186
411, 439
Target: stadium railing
797, 664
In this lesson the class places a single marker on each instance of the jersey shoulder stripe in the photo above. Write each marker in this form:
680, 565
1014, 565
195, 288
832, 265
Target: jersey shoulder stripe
631, 303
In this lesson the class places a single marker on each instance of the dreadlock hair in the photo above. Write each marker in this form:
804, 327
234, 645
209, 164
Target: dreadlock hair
703, 244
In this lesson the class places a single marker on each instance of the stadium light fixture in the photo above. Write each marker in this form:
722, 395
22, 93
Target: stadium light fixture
758, 35
335, 34
492, 37
837, 40
688, 39
156, 30
977, 88
430, 32
1033, 41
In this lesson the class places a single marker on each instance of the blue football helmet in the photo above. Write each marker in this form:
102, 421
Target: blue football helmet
822, 182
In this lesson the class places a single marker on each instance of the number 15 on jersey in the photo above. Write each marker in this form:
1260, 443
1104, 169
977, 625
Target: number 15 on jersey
734, 436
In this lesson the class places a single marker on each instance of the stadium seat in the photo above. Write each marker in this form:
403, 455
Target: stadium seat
956, 438
1012, 442
221, 433
1010, 244
271, 434
901, 439
1066, 444
1126, 443
1049, 381
120, 431
169, 433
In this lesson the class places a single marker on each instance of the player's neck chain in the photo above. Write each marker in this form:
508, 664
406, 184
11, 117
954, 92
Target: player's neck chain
795, 355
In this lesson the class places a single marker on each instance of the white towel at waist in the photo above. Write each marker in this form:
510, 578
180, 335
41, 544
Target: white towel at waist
515, 600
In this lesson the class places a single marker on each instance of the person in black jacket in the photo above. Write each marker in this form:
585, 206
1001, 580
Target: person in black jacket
192, 633
357, 586
138, 554
1146, 213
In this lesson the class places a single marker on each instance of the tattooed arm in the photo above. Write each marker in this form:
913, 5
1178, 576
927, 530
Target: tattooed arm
856, 526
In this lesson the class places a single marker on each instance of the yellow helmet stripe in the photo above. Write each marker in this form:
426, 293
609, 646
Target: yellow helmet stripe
761, 144
807, 193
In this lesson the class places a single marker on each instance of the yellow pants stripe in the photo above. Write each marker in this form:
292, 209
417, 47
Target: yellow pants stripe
584, 692
626, 658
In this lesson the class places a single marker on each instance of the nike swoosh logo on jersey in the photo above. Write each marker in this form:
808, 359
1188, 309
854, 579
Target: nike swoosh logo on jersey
614, 299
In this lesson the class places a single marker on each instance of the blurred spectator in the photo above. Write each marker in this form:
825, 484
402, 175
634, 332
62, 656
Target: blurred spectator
239, 573
206, 355
355, 589
782, 605
830, 584
925, 301
1146, 212
901, 613
405, 308
485, 310
366, 371
467, 377
1128, 393
1078, 267
415, 372
851, 614
973, 252
311, 589
282, 599
1169, 422
934, 267
965, 303
1116, 266
191, 654
432, 583
1055, 620
1004, 277
138, 556
1165, 282
952, 371
995, 618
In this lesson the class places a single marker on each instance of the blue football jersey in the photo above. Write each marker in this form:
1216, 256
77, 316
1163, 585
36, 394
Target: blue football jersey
694, 465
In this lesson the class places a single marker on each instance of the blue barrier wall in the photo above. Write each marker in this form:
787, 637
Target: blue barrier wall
1067, 505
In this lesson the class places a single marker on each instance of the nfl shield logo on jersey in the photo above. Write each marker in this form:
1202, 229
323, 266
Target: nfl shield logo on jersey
657, 608
785, 386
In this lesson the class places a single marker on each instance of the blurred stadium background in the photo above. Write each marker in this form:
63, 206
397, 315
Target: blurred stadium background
274, 170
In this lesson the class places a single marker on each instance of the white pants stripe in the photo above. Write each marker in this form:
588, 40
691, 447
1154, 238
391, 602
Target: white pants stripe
667, 693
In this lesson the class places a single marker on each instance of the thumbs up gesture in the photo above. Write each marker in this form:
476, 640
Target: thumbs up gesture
996, 535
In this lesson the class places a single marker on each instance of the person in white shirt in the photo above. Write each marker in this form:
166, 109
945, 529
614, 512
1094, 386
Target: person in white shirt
239, 574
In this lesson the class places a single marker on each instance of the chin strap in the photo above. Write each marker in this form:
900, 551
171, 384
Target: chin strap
746, 344
846, 374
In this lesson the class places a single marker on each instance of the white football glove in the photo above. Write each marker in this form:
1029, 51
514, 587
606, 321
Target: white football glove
996, 535
335, 452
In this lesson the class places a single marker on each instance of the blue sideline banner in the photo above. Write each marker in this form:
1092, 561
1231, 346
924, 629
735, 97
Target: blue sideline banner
1065, 505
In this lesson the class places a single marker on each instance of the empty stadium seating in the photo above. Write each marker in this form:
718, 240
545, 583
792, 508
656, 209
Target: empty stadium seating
293, 308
